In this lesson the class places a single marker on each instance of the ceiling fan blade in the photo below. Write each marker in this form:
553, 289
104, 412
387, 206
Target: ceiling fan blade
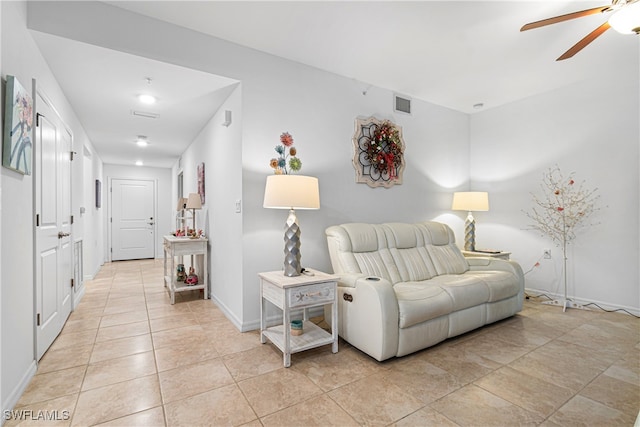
585, 41
563, 18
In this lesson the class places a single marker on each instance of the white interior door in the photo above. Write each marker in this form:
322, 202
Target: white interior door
132, 219
52, 177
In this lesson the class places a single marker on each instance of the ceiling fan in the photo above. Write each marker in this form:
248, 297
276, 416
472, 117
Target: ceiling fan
625, 19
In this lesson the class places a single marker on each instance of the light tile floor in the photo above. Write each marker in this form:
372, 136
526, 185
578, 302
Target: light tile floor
126, 357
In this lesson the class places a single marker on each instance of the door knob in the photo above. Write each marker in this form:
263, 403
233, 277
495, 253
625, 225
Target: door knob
61, 234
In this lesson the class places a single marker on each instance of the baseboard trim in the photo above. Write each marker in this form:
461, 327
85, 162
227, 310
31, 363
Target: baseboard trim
585, 302
13, 397
228, 313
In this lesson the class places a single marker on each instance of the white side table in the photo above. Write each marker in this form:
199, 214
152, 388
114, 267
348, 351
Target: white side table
300, 292
179, 247
499, 255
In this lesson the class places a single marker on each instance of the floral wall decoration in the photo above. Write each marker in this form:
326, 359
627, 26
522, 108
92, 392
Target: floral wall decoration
286, 163
378, 152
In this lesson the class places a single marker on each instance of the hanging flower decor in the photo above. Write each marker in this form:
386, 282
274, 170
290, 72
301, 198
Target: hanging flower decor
378, 152
286, 162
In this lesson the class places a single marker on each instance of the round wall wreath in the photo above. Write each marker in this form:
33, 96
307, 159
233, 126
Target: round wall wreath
378, 152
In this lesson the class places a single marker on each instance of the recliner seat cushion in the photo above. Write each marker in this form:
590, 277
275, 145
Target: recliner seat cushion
499, 283
421, 301
465, 290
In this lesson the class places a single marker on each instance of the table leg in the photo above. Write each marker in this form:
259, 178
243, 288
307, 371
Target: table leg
172, 278
263, 315
334, 326
286, 329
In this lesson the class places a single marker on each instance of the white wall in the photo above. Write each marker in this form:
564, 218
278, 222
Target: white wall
21, 58
93, 218
220, 148
591, 129
164, 205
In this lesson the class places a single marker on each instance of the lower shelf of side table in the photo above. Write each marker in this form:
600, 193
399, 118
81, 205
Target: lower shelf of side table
312, 337
182, 287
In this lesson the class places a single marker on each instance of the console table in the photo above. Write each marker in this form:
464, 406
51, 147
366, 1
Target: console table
299, 292
179, 247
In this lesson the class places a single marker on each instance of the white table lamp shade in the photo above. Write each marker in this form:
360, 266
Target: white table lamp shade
194, 201
182, 201
470, 201
292, 192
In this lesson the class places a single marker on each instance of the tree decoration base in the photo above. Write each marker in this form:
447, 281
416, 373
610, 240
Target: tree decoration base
565, 303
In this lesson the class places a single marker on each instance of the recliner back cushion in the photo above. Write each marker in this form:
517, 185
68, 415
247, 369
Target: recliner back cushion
407, 246
446, 257
368, 251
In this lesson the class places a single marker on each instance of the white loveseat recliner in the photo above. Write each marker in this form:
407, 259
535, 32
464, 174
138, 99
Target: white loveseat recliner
405, 287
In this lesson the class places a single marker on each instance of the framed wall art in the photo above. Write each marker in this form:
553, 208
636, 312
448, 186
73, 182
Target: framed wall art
378, 156
18, 123
201, 182
98, 193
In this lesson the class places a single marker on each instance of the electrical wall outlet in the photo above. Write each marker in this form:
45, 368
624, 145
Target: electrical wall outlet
546, 253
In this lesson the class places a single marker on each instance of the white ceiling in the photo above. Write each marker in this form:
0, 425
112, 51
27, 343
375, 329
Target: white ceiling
451, 53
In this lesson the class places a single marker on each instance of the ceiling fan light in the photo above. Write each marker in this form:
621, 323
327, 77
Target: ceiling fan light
626, 20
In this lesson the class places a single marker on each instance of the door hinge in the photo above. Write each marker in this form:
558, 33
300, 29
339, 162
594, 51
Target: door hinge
38, 319
111, 219
72, 283
71, 153
111, 249
71, 219
37, 220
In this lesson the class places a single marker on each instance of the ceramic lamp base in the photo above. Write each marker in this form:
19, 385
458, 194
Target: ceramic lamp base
292, 266
470, 233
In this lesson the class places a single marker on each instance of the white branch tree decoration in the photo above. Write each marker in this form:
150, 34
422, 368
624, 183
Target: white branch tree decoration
562, 209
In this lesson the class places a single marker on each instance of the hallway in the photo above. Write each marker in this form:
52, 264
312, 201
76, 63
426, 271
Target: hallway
126, 357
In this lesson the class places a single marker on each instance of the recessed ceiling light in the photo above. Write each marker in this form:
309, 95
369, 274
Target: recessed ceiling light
147, 99
142, 141
139, 163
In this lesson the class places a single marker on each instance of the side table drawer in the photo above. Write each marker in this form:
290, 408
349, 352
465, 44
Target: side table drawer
312, 294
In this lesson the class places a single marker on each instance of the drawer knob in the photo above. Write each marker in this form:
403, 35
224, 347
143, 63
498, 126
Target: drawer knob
347, 297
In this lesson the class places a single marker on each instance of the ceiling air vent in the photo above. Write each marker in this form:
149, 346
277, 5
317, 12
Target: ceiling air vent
145, 114
401, 104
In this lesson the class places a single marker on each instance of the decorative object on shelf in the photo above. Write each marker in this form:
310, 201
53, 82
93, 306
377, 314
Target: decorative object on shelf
192, 278
292, 192
18, 123
201, 184
563, 208
194, 234
296, 327
287, 162
193, 203
181, 275
378, 152
470, 201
